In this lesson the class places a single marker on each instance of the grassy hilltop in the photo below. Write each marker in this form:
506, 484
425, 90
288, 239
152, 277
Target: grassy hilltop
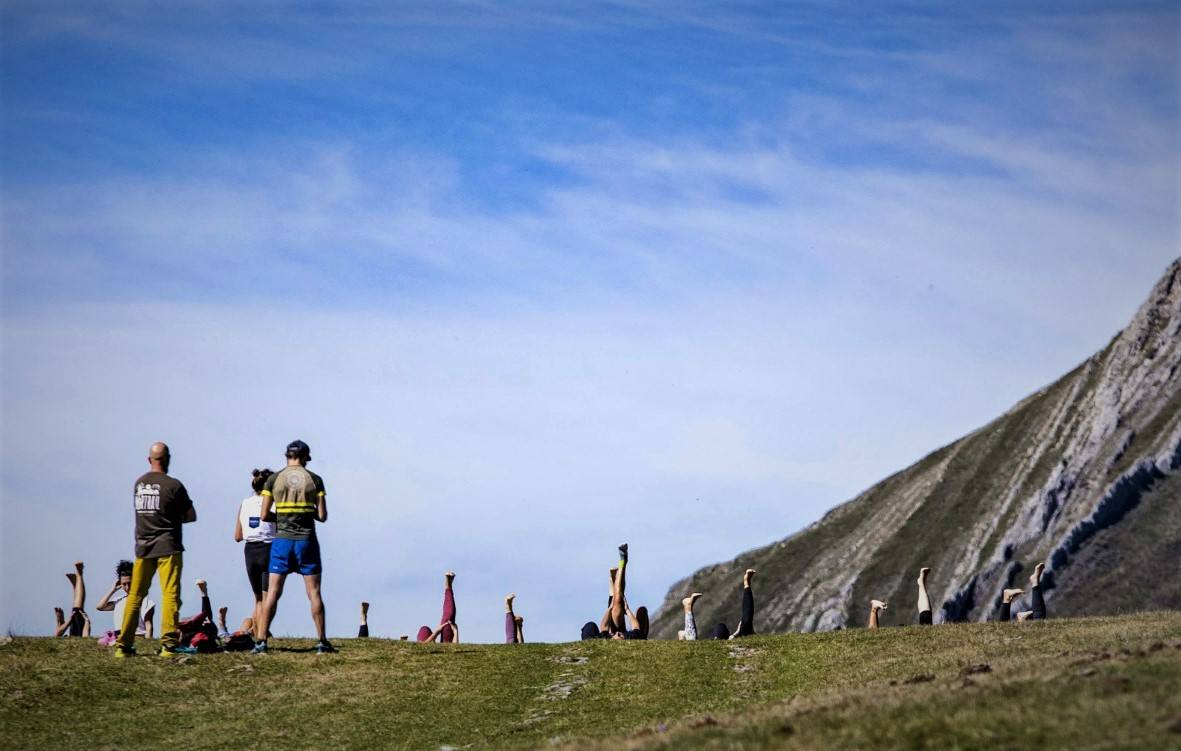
1071, 683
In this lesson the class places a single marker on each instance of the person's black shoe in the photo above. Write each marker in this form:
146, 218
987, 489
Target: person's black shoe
324, 648
623, 552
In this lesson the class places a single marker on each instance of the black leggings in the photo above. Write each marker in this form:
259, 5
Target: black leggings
747, 627
76, 622
1039, 604
258, 564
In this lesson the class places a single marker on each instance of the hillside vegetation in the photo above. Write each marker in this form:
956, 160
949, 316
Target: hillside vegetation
1082, 475
1069, 683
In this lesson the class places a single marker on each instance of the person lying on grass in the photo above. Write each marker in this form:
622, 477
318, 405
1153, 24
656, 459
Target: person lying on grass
79, 622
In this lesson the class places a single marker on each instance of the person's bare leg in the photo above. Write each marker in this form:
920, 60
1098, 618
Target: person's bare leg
619, 588
363, 630
605, 622
690, 631
312, 584
924, 604
79, 584
1007, 598
875, 607
270, 607
221, 619
260, 604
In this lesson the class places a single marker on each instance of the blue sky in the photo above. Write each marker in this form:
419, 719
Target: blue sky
533, 279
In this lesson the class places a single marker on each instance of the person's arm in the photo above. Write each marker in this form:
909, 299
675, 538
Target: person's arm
268, 499
238, 528
149, 629
631, 616
105, 605
189, 515
520, 633
737, 630
85, 625
321, 500
62, 628
455, 630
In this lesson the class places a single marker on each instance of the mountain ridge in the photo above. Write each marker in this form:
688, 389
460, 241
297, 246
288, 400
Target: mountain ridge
1081, 474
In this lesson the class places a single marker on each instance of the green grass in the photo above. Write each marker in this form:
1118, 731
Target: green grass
1068, 683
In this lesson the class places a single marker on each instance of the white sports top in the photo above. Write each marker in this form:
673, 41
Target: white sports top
254, 529
120, 600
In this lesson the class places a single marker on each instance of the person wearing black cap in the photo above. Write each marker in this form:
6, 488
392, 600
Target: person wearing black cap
299, 502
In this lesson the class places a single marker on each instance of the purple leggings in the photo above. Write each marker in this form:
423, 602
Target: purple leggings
510, 629
447, 634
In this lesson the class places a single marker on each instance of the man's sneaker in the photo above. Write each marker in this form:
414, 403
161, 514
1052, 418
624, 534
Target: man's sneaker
260, 648
623, 552
124, 652
178, 650
324, 648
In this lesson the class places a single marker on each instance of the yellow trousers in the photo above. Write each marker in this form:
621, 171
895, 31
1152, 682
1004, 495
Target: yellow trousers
169, 567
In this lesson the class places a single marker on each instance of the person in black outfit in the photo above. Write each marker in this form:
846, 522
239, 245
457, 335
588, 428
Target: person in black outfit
746, 626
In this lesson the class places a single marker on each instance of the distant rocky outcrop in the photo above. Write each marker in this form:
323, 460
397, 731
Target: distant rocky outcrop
1083, 475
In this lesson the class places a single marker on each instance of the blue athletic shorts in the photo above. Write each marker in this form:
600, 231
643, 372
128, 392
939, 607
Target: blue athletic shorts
295, 556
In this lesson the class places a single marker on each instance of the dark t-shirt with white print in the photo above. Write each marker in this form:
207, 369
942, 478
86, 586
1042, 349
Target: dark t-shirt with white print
161, 503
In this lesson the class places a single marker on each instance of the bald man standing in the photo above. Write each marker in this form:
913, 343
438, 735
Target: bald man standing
162, 505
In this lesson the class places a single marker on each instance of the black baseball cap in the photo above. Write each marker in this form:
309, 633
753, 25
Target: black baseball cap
298, 449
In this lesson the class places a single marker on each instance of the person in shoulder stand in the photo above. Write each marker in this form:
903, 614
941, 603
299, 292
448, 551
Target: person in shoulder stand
299, 501
162, 505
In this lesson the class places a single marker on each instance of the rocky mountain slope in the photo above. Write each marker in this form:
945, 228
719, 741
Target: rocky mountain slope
1085, 475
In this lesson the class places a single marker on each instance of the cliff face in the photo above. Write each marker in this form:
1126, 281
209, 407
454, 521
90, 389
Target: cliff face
1085, 475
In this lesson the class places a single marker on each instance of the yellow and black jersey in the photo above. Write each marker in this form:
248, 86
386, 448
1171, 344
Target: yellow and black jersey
295, 492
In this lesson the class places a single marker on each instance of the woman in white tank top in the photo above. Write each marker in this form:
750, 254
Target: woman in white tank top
257, 534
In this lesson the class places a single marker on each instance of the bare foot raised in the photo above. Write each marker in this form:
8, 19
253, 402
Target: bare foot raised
508, 602
750, 574
878, 605
1035, 579
221, 612
449, 576
1009, 594
60, 615
923, 574
204, 587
